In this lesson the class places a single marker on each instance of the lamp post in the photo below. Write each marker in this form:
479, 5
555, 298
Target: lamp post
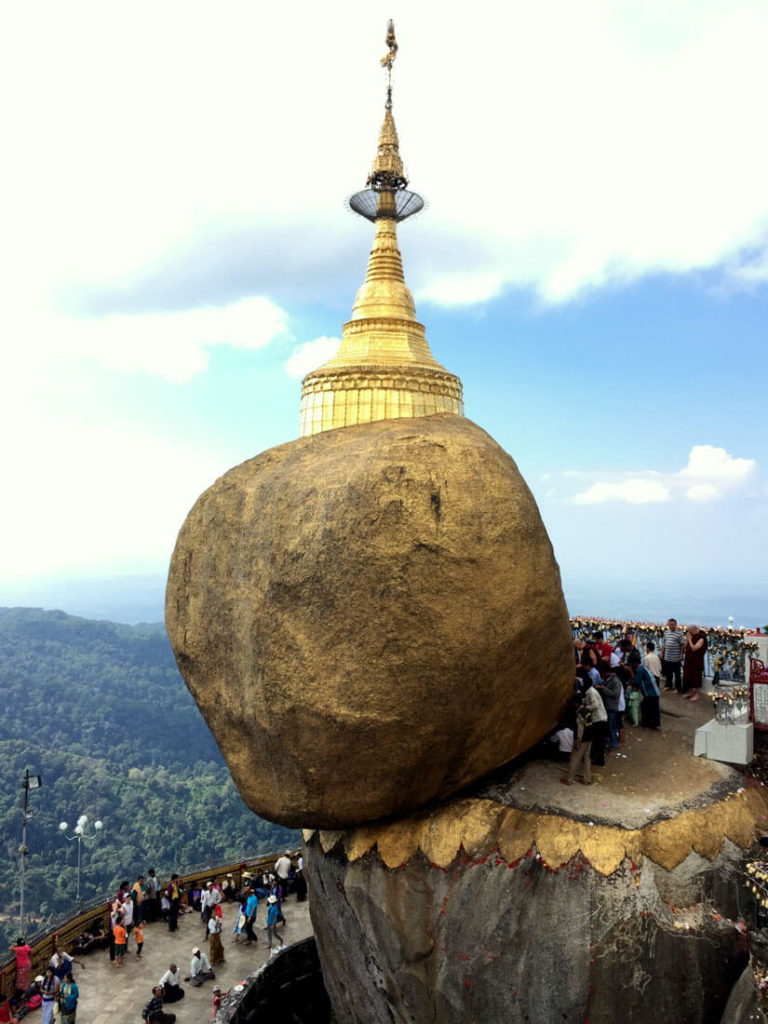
28, 782
80, 835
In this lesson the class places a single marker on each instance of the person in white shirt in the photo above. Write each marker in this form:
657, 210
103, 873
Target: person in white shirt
171, 984
208, 901
652, 661
282, 870
199, 969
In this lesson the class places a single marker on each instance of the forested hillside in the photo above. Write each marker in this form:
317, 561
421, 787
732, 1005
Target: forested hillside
100, 711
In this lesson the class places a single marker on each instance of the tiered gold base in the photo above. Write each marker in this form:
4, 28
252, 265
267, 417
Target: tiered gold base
345, 396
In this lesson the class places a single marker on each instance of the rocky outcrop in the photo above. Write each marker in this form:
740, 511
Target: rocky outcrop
483, 913
369, 619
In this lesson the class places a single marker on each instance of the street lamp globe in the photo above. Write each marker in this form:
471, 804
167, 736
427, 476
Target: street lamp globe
79, 829
98, 825
82, 821
63, 826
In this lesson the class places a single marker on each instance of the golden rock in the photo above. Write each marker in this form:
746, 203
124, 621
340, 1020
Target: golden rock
370, 619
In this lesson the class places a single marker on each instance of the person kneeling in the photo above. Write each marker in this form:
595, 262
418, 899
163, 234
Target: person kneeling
199, 969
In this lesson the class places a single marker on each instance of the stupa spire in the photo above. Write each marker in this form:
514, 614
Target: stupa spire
384, 368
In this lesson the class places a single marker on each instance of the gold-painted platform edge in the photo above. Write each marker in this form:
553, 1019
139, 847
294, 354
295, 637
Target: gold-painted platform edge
478, 827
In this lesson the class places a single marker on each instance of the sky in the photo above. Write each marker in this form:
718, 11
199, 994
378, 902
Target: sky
592, 262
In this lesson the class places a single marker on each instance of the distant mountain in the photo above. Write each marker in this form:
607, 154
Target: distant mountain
132, 599
141, 598
100, 711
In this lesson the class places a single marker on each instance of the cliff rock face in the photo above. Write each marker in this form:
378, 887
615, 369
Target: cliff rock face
369, 619
532, 919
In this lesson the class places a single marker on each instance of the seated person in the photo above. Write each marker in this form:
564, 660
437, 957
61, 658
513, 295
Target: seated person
171, 985
153, 1012
95, 938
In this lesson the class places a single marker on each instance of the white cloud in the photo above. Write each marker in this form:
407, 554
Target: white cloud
709, 463
703, 492
87, 498
460, 289
635, 491
710, 474
310, 355
174, 345
560, 202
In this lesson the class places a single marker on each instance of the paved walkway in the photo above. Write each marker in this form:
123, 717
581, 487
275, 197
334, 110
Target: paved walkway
111, 996
653, 776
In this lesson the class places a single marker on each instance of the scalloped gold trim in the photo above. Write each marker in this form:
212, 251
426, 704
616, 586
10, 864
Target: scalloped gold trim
479, 826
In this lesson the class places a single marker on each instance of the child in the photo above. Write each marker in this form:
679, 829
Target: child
218, 999
138, 931
121, 941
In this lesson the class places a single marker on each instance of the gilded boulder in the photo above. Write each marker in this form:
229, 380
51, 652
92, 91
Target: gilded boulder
369, 619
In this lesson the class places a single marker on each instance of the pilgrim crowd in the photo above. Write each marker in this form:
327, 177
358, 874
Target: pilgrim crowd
144, 903
615, 681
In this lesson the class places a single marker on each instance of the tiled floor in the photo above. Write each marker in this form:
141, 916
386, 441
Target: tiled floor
111, 996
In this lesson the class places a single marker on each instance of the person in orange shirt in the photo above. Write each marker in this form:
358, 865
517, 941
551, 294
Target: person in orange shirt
138, 931
121, 941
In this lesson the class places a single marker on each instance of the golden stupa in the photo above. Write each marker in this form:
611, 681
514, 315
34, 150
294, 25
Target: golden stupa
358, 613
384, 368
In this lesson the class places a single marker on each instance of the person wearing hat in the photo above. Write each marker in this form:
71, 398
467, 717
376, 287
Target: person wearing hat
273, 915
199, 969
251, 910
228, 887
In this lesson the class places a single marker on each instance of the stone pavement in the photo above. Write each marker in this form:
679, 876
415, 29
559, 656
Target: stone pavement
654, 775
109, 995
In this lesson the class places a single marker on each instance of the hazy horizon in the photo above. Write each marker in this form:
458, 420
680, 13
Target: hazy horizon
140, 598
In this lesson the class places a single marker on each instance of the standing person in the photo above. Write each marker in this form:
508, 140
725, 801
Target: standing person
153, 896
127, 910
173, 892
671, 656
273, 913
49, 989
69, 993
218, 999
591, 710
611, 691
300, 886
214, 938
650, 717
140, 891
251, 910
653, 662
23, 963
208, 901
693, 668
139, 933
283, 870
239, 925
121, 940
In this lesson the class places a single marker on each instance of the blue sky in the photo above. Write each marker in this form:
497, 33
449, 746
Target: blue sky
593, 264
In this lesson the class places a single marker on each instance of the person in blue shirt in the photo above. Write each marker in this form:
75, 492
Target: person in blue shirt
69, 993
650, 716
273, 916
251, 909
